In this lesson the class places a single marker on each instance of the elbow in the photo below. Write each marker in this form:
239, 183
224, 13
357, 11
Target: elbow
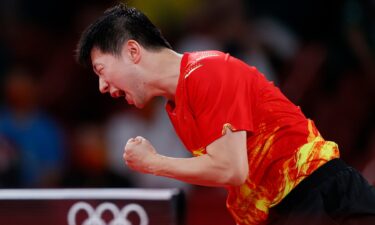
236, 177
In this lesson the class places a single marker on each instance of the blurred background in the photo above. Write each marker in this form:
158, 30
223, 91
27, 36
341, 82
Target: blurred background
57, 130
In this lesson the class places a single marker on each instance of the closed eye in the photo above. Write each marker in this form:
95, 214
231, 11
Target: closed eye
98, 70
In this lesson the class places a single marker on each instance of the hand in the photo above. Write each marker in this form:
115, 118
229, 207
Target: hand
139, 154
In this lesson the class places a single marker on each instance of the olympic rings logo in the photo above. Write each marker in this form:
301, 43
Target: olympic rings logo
95, 215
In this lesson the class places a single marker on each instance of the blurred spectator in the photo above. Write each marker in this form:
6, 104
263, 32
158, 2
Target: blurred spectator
37, 136
151, 123
89, 165
234, 33
199, 31
311, 20
70, 102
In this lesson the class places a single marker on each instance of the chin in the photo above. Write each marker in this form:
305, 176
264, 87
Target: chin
139, 106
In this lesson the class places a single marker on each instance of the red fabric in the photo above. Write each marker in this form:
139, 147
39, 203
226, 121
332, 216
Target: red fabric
221, 89
283, 147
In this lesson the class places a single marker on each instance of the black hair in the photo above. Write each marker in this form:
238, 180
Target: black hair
117, 25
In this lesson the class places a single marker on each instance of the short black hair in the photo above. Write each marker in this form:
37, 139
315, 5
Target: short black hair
117, 25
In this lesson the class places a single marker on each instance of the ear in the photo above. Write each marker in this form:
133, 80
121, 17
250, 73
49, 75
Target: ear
133, 49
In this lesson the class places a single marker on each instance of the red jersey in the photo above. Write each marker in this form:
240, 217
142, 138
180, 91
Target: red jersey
216, 91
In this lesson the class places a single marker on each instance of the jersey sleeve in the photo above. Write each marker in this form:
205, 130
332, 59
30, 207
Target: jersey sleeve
220, 93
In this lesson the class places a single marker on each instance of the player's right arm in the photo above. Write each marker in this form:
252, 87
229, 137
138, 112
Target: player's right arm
225, 163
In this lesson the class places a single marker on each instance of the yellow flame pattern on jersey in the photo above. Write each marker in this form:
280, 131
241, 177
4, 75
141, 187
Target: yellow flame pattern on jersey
249, 203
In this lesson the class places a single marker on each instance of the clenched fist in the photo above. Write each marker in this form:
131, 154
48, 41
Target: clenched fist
140, 155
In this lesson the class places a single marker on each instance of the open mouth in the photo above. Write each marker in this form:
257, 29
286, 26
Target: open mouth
120, 93
117, 94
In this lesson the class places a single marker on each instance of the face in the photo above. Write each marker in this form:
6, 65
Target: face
120, 76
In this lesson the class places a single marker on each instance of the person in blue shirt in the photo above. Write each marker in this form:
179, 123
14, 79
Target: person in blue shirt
38, 137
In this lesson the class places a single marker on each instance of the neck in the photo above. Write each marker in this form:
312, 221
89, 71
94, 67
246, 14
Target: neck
164, 72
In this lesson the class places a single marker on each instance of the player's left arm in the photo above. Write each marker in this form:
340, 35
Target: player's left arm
225, 163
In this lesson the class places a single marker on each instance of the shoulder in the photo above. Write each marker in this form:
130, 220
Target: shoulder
216, 66
203, 60
204, 56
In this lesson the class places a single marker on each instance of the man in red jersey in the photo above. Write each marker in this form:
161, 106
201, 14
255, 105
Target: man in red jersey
246, 135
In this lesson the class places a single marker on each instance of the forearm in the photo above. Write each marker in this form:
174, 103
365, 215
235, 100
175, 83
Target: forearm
201, 170
225, 163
